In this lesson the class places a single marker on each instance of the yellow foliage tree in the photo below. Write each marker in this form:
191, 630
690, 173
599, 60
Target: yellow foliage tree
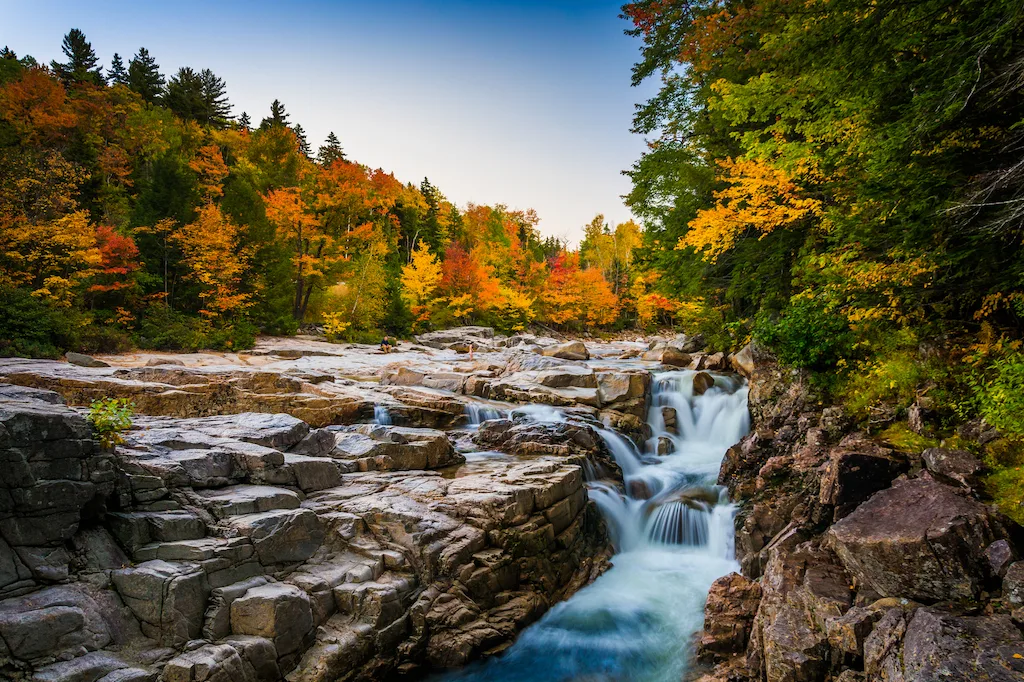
210, 250
420, 279
49, 256
759, 197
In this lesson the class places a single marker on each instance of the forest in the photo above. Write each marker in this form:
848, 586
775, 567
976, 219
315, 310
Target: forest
838, 181
135, 210
842, 181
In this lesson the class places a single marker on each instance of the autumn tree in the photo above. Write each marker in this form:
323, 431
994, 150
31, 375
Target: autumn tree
215, 262
420, 279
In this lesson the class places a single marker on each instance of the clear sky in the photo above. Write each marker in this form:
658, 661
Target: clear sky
522, 103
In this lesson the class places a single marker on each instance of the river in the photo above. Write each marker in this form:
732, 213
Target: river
672, 530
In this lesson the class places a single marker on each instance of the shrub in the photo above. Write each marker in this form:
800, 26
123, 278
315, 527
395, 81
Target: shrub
165, 329
334, 326
109, 418
999, 393
807, 335
30, 327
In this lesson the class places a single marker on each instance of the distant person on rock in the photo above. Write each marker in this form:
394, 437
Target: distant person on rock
387, 344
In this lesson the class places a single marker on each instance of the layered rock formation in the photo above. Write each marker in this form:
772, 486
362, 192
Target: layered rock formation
251, 528
860, 563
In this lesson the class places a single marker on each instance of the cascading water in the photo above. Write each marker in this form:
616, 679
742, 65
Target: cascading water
381, 415
477, 414
673, 533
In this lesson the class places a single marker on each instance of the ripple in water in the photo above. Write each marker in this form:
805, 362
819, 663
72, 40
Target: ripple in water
673, 539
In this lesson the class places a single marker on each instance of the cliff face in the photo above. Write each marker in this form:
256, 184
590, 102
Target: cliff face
859, 563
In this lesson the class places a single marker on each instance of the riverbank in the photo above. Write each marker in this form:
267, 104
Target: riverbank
862, 558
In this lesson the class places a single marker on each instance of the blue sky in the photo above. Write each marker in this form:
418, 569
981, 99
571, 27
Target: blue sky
522, 103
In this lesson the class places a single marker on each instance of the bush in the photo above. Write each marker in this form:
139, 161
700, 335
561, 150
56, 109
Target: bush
999, 393
30, 327
806, 335
166, 329
97, 339
109, 417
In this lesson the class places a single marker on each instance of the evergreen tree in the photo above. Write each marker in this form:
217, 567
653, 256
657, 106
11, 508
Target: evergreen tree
144, 76
331, 150
81, 66
184, 95
244, 122
216, 107
277, 117
118, 74
304, 147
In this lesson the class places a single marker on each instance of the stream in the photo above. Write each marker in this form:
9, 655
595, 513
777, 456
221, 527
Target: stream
672, 531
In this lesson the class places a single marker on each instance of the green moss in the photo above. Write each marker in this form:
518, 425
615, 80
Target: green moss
900, 438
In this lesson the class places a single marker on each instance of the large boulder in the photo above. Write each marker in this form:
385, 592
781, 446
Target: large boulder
84, 360
571, 350
668, 355
856, 469
374, 447
281, 536
918, 539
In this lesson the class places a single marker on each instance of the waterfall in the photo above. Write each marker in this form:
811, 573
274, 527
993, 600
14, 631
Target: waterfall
381, 415
476, 414
672, 528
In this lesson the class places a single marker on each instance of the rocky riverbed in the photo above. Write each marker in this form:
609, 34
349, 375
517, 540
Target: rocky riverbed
308, 510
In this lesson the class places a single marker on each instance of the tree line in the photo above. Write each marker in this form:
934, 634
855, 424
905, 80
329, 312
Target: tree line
136, 209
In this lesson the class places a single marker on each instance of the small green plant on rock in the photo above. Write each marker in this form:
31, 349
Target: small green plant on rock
109, 418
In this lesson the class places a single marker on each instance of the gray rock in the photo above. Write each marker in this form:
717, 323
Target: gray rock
169, 599
1000, 555
918, 539
88, 668
278, 612
282, 536
957, 466
84, 360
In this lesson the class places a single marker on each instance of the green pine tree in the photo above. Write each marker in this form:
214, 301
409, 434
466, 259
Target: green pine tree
81, 66
144, 77
277, 117
216, 108
118, 74
244, 122
304, 147
331, 150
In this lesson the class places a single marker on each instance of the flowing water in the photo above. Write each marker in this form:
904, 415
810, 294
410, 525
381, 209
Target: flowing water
381, 415
673, 535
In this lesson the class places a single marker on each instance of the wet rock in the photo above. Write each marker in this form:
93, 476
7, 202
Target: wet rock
955, 466
728, 617
702, 381
918, 539
571, 350
616, 387
665, 446
84, 360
